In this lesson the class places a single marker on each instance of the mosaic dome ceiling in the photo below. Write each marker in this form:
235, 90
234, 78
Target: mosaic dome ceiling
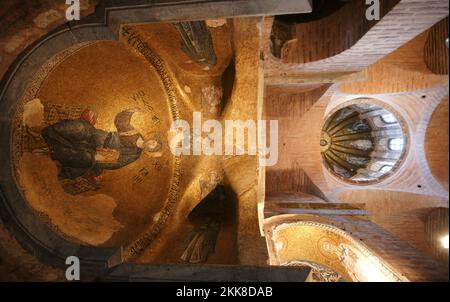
61, 119
362, 143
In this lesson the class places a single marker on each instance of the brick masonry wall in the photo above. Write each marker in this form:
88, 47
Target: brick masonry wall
402, 70
331, 35
436, 51
406, 20
287, 175
436, 144
401, 255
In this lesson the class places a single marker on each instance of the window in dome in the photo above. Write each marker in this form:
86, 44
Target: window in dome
362, 144
386, 168
389, 118
396, 144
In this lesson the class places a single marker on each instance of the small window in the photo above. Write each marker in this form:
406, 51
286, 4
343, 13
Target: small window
389, 118
396, 144
386, 169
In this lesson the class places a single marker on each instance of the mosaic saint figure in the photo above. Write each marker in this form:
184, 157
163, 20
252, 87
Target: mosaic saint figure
207, 218
85, 151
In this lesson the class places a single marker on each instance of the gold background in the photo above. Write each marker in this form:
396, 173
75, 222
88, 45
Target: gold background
106, 75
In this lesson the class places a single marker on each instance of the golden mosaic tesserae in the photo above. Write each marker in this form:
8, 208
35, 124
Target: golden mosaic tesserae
220, 140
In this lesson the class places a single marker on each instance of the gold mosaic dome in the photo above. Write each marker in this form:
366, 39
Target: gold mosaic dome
362, 143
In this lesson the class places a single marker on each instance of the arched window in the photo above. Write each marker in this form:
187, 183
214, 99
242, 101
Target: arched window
389, 118
395, 144
386, 168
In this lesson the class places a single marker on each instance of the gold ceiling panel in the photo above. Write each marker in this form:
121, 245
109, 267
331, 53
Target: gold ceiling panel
114, 93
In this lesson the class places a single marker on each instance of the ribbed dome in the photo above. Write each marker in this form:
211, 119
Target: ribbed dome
362, 142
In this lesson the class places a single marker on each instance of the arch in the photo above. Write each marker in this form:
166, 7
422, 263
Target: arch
103, 25
349, 60
21, 221
349, 244
338, 25
329, 246
436, 143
